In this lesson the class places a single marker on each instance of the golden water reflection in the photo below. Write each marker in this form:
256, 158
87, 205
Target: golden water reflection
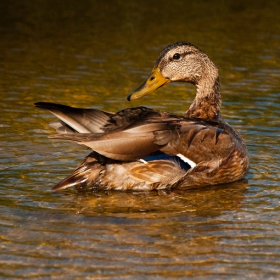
209, 202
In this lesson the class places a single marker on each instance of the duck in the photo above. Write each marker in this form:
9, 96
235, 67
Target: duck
142, 149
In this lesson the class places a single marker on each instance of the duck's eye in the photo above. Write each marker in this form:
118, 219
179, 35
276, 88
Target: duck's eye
176, 56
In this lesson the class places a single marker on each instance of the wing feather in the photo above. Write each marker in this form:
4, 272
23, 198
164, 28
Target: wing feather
80, 120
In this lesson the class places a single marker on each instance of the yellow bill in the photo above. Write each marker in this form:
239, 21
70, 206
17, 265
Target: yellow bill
155, 81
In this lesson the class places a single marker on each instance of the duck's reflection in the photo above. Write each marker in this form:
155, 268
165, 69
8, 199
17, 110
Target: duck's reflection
207, 202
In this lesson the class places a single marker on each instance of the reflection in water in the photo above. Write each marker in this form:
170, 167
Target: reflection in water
209, 202
131, 233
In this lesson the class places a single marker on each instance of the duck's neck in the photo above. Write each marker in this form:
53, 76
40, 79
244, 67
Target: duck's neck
207, 102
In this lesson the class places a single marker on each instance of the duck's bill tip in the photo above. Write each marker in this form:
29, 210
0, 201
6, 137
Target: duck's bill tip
138, 93
154, 81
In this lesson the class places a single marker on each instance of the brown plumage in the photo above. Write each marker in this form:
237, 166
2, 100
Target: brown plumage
143, 149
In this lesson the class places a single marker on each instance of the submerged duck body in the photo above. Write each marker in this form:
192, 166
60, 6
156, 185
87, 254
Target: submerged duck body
144, 149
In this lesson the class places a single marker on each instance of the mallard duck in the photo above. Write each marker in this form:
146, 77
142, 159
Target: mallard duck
144, 149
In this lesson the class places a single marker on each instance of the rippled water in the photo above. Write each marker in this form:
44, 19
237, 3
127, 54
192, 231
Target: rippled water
92, 54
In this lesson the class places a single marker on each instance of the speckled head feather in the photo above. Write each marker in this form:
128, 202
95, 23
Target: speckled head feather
172, 46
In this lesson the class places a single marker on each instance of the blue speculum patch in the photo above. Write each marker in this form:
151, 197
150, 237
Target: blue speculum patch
160, 155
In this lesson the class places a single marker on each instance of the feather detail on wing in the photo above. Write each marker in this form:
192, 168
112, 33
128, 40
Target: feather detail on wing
127, 145
76, 119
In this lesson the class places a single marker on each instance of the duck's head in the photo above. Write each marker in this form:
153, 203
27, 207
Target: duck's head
179, 62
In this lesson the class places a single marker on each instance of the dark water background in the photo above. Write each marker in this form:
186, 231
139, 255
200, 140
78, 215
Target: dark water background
92, 54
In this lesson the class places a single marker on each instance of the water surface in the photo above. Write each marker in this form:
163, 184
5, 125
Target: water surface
92, 54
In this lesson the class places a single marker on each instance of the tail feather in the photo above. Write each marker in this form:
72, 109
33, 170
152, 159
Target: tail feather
84, 175
79, 120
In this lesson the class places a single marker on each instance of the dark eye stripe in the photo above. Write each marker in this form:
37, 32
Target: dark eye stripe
177, 56
187, 53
